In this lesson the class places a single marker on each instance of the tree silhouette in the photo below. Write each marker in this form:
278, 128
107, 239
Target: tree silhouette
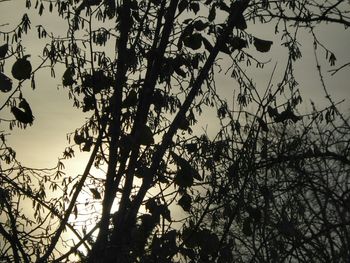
270, 186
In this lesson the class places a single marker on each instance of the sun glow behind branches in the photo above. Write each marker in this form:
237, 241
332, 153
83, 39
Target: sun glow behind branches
88, 205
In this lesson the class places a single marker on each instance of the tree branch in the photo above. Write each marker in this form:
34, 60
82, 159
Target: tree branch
70, 208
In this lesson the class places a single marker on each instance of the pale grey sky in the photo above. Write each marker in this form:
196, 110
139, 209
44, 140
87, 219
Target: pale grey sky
41, 144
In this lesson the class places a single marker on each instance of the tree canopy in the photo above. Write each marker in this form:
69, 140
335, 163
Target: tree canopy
269, 182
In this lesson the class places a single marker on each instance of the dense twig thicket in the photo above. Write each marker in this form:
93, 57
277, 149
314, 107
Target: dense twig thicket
271, 185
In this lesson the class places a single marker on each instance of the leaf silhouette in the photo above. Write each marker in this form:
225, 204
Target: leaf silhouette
5, 83
78, 138
199, 25
273, 112
88, 144
145, 136
21, 69
194, 7
21, 116
212, 14
185, 166
67, 78
288, 114
238, 43
130, 100
25, 105
182, 5
193, 41
263, 124
262, 45
25, 116
185, 202
183, 178
3, 50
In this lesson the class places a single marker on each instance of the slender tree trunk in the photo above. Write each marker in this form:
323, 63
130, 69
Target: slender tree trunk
98, 250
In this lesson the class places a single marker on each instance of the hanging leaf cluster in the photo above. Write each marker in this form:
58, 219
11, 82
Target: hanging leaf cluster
83, 139
186, 173
204, 239
68, 77
130, 100
285, 115
97, 81
157, 209
24, 116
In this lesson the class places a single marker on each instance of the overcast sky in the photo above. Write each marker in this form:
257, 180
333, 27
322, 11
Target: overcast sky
41, 144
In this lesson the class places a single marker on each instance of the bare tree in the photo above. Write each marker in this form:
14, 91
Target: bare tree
270, 186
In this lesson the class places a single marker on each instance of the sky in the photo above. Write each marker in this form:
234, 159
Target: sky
43, 142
